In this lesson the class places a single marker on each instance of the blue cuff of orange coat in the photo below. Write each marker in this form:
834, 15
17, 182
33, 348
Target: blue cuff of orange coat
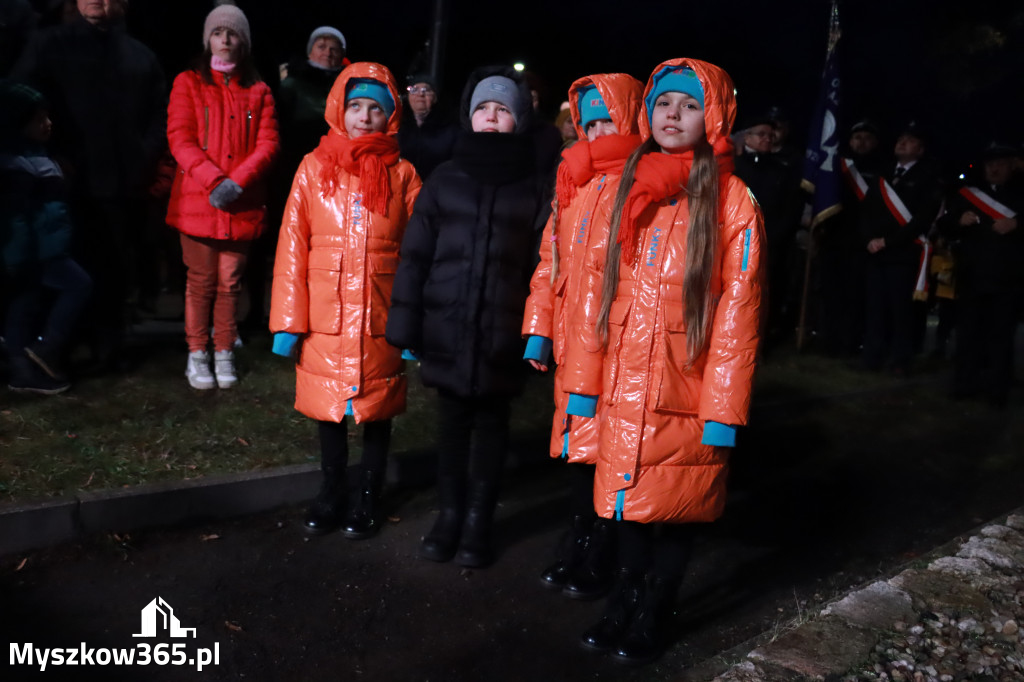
284, 343
722, 435
538, 348
409, 355
580, 405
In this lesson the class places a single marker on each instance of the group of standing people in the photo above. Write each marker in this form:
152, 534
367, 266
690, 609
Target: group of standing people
647, 291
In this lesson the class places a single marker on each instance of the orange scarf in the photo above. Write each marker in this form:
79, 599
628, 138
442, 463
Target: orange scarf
585, 159
367, 157
659, 176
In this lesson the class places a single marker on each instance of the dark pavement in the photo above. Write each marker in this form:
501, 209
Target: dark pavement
818, 506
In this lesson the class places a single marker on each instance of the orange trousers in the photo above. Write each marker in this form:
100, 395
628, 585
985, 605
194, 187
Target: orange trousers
212, 285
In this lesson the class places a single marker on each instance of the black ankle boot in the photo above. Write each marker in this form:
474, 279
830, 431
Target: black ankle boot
622, 603
475, 550
327, 510
441, 542
593, 575
645, 638
363, 521
572, 548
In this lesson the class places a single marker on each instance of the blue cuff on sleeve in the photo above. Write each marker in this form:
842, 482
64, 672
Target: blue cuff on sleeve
284, 343
580, 405
722, 435
538, 348
409, 355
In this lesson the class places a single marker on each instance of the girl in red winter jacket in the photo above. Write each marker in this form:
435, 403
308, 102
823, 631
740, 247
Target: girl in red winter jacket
222, 132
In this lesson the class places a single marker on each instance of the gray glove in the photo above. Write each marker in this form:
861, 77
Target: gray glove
224, 193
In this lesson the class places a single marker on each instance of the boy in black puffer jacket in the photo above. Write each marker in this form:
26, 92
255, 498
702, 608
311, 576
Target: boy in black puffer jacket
458, 302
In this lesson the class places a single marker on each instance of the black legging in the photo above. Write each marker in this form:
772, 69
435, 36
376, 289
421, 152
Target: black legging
661, 549
334, 444
581, 489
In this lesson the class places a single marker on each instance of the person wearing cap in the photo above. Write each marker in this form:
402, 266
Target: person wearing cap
559, 313
428, 133
983, 223
108, 101
458, 302
841, 255
35, 246
776, 185
336, 256
896, 218
222, 131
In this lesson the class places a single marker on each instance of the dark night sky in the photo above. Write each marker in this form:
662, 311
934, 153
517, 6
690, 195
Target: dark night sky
959, 66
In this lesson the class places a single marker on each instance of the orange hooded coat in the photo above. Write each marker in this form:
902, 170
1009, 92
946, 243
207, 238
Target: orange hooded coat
653, 466
333, 273
566, 311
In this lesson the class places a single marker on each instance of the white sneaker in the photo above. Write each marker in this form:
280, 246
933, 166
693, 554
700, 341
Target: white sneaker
224, 367
197, 371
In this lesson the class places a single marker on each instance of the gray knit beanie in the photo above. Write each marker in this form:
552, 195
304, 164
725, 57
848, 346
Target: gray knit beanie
496, 89
227, 16
325, 31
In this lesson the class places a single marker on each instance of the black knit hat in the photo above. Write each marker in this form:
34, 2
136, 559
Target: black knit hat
18, 104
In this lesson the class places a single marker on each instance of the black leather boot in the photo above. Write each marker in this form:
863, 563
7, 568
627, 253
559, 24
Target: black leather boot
622, 604
441, 542
363, 520
327, 511
593, 574
571, 551
645, 638
475, 550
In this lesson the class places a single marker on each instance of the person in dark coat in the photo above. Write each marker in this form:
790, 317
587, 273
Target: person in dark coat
428, 134
775, 184
108, 100
458, 301
983, 222
897, 214
841, 252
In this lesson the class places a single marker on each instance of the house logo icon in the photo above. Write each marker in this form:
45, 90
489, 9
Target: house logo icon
158, 617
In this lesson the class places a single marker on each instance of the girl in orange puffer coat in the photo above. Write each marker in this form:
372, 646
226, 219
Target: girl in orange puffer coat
680, 317
336, 259
222, 131
562, 309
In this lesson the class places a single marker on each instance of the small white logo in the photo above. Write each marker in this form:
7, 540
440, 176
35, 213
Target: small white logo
158, 615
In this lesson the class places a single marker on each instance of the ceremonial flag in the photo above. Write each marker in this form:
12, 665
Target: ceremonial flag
822, 168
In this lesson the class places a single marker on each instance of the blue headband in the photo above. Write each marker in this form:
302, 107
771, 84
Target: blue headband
592, 106
373, 89
674, 79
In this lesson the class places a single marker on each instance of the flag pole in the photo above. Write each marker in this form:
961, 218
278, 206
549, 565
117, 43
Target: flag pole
834, 32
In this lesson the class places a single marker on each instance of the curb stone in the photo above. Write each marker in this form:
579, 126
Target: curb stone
848, 629
26, 526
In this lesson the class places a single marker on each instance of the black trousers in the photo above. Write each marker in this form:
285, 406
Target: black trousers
334, 446
889, 313
986, 323
472, 436
659, 549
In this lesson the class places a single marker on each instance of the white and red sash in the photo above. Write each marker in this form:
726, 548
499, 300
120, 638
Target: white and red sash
893, 202
986, 204
853, 177
923, 267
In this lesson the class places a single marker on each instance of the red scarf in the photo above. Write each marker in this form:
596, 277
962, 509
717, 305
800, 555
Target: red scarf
585, 159
367, 157
659, 176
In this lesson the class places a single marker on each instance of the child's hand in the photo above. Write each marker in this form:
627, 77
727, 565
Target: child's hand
537, 366
225, 193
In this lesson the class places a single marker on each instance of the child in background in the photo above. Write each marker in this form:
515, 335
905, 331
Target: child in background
222, 131
458, 302
680, 315
563, 308
35, 238
336, 259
